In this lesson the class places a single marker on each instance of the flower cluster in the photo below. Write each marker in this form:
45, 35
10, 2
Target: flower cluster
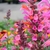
31, 34
37, 22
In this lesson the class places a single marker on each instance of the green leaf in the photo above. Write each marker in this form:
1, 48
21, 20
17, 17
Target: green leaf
28, 39
26, 49
18, 47
9, 46
28, 34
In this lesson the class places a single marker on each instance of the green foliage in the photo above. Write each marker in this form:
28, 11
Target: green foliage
28, 34
28, 39
5, 25
47, 48
18, 47
8, 46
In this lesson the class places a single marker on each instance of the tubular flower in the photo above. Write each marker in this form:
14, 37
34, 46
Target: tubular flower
47, 43
33, 32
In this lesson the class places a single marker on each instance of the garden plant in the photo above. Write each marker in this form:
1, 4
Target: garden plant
32, 33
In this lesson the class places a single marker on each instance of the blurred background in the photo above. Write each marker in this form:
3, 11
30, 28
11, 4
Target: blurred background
14, 6
9, 1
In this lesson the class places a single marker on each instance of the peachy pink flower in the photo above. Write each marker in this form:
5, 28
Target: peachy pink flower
47, 43
4, 37
15, 25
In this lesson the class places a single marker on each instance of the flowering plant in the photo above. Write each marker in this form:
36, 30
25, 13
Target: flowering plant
32, 33
37, 23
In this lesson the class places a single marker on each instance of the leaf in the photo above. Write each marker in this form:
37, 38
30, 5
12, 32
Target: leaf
18, 47
9, 46
26, 49
28, 33
28, 39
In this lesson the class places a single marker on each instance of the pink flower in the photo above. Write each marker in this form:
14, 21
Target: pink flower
47, 14
48, 31
36, 17
11, 28
34, 37
11, 35
15, 42
25, 35
21, 48
47, 43
30, 44
4, 48
34, 28
13, 48
26, 12
40, 28
25, 17
46, 2
17, 37
43, 4
4, 37
15, 25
